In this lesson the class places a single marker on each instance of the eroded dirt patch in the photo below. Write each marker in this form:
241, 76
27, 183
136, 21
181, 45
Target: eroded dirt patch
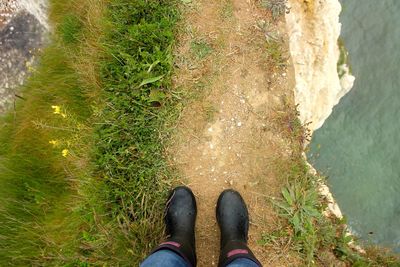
233, 57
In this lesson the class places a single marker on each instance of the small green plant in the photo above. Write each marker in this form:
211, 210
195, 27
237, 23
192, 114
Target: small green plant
343, 61
271, 34
275, 238
275, 53
210, 111
200, 49
67, 123
300, 207
227, 10
277, 7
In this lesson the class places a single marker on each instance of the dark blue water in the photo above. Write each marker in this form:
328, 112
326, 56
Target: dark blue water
358, 147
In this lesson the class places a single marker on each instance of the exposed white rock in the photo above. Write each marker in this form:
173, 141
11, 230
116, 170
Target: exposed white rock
7, 8
23, 29
314, 29
37, 8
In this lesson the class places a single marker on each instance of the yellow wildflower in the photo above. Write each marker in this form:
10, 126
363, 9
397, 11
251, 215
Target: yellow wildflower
63, 115
57, 109
53, 142
65, 153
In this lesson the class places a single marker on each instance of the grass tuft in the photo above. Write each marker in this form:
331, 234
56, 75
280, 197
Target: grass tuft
70, 28
275, 53
277, 7
200, 49
227, 10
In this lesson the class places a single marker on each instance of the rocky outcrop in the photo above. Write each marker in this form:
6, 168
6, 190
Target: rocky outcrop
314, 29
22, 31
7, 9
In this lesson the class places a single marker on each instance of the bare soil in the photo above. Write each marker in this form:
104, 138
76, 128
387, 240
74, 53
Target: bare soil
230, 136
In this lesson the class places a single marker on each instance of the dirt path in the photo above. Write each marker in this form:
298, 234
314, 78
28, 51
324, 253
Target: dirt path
230, 137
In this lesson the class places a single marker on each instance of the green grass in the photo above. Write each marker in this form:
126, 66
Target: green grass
343, 59
139, 107
275, 53
227, 10
70, 28
102, 204
200, 48
32, 175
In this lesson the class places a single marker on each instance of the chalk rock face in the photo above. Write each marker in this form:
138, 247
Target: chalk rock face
38, 8
10, 8
23, 30
7, 9
314, 28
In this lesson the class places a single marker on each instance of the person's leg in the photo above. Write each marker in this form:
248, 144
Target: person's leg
164, 258
233, 221
242, 262
180, 217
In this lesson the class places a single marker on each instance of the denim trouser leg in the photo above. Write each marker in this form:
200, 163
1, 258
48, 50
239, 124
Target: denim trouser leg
242, 262
164, 258
168, 258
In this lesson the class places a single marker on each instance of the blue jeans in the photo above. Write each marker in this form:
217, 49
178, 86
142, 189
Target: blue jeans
168, 258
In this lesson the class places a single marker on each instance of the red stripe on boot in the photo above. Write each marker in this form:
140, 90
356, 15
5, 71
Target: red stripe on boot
237, 251
172, 243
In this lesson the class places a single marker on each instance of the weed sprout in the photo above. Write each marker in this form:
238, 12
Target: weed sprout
277, 7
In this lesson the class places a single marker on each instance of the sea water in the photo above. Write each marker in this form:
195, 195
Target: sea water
358, 147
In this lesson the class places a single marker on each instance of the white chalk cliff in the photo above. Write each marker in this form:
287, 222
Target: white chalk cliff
37, 8
314, 28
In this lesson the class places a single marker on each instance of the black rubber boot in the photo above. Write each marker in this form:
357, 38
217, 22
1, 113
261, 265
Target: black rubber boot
233, 221
180, 218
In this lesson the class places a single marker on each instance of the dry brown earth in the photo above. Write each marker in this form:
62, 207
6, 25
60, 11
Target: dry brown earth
233, 57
